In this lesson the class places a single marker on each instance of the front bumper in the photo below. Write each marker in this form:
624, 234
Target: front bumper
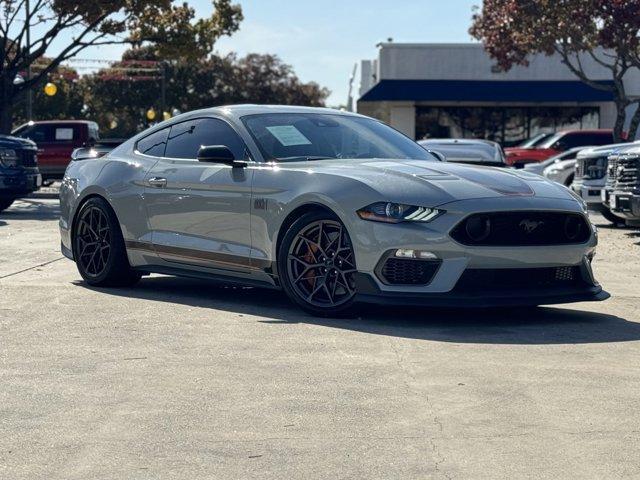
623, 204
19, 183
374, 240
369, 292
590, 190
520, 290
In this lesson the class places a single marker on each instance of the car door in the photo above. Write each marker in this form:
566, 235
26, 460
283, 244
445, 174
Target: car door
199, 212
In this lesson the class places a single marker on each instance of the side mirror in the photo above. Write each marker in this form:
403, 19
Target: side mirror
218, 154
438, 155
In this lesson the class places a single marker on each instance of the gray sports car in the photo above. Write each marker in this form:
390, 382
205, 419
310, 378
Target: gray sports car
332, 207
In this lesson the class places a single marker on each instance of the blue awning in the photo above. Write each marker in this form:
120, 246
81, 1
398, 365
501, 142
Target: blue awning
486, 91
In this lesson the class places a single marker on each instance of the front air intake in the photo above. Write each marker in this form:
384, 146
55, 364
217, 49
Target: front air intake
512, 229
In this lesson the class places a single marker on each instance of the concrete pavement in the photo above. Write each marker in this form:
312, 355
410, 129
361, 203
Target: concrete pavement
187, 379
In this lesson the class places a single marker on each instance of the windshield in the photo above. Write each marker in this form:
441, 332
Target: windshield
290, 137
534, 141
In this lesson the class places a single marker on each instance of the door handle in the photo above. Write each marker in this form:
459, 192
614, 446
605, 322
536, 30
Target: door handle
158, 182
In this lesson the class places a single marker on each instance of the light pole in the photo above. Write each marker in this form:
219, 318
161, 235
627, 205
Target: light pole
29, 92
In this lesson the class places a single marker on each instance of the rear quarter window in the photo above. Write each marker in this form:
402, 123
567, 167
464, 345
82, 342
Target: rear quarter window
154, 144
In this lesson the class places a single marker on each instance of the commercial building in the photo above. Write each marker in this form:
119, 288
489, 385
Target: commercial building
455, 90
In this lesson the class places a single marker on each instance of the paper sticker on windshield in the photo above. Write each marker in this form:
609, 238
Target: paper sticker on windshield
288, 135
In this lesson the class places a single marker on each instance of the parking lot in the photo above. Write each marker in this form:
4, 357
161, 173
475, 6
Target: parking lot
186, 379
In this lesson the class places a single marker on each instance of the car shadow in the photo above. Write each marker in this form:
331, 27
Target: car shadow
525, 326
28, 209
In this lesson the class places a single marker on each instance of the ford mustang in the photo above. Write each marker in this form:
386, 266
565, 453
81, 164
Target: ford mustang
332, 207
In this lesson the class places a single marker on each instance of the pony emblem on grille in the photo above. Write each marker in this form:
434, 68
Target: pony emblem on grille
530, 225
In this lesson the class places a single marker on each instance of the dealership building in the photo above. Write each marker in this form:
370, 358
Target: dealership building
455, 91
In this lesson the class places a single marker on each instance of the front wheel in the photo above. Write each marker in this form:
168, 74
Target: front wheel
606, 213
98, 247
317, 265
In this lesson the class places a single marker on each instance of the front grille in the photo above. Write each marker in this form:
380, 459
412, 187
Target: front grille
612, 167
591, 168
522, 229
27, 158
478, 280
404, 271
627, 172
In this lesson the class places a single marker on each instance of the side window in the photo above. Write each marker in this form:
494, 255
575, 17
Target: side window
602, 139
64, 134
186, 138
154, 144
39, 133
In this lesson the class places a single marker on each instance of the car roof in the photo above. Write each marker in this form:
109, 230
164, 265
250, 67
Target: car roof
242, 110
66, 122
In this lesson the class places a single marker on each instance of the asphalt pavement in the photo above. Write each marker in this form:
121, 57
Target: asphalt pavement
184, 379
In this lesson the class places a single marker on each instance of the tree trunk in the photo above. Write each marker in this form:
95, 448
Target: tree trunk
621, 116
6, 106
635, 122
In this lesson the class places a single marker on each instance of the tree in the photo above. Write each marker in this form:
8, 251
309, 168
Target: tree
604, 31
172, 29
119, 102
67, 103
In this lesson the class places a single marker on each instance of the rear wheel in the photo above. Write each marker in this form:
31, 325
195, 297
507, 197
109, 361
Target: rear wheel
99, 249
317, 265
6, 203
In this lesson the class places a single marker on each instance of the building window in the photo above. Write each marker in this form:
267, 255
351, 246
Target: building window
507, 125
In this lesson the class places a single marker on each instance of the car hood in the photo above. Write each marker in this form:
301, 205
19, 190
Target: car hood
528, 152
8, 141
436, 183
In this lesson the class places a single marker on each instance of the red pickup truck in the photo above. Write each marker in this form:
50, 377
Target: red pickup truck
56, 139
557, 143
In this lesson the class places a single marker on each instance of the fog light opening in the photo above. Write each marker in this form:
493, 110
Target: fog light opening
415, 254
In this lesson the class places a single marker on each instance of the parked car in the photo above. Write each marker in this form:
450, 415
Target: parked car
19, 175
559, 168
471, 151
621, 195
556, 144
56, 140
591, 176
332, 207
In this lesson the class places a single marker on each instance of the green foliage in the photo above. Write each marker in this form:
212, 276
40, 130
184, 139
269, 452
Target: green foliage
119, 105
169, 28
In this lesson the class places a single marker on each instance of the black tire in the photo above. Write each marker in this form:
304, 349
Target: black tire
6, 203
606, 213
326, 267
98, 247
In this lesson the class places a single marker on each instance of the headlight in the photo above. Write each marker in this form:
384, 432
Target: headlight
8, 157
397, 212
